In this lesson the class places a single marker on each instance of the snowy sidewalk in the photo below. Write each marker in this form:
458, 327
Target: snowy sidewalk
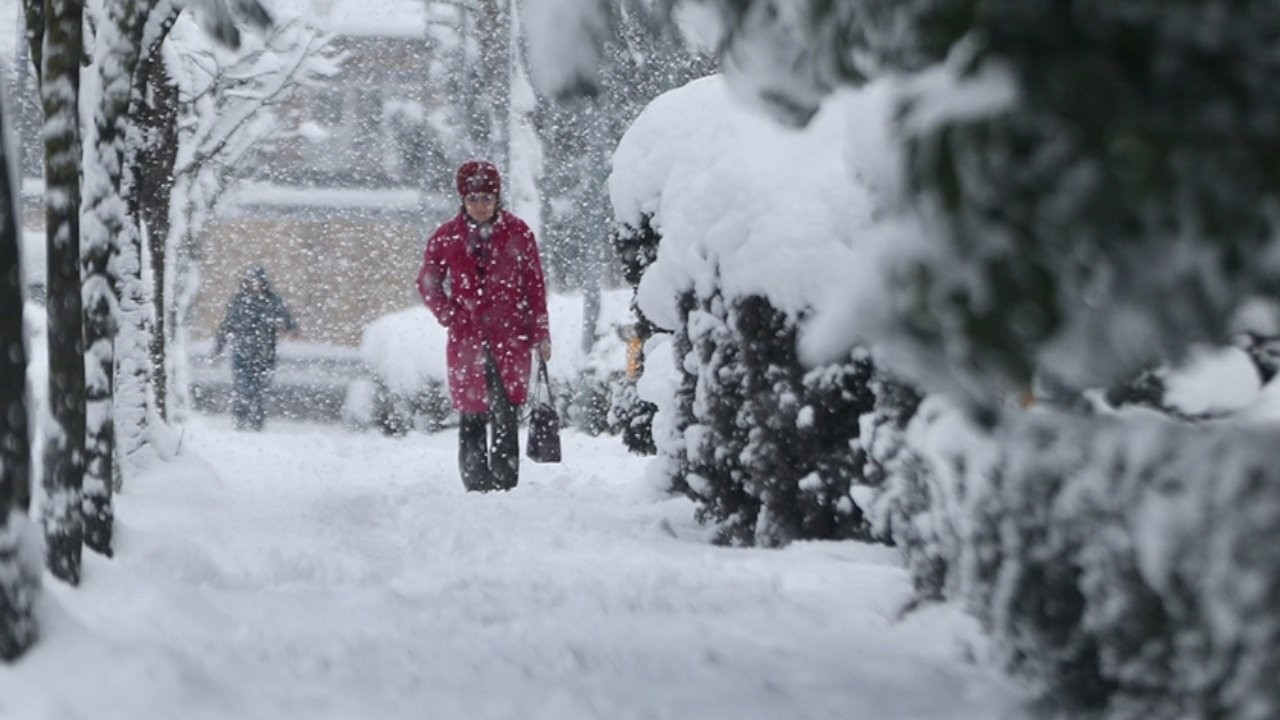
312, 573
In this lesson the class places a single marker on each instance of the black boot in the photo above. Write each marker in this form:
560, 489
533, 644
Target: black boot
473, 456
504, 421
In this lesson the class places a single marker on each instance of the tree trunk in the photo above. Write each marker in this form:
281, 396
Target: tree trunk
19, 574
184, 283
489, 92
154, 191
34, 17
64, 446
108, 228
151, 138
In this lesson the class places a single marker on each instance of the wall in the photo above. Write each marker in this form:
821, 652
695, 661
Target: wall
335, 275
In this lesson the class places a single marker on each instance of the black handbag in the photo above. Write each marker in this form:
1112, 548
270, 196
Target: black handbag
543, 444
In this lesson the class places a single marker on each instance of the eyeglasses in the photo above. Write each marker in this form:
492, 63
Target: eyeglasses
481, 198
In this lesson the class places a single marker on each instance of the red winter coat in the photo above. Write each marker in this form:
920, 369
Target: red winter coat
505, 306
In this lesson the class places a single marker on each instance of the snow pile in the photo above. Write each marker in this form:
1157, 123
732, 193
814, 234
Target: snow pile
767, 210
1212, 382
406, 353
307, 573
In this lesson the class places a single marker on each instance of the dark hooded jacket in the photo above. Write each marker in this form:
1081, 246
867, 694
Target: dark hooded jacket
254, 315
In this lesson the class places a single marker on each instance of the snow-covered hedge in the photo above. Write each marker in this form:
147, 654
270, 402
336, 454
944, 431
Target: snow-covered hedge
1128, 563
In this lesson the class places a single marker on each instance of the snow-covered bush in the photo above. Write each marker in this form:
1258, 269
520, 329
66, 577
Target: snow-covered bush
631, 416
710, 465
588, 408
405, 350
926, 471
1028, 232
1126, 563
766, 448
802, 449
1170, 530
730, 226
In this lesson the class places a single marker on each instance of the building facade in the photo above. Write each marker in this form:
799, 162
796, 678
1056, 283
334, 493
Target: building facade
338, 211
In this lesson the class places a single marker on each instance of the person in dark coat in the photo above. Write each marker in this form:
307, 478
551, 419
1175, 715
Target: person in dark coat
255, 315
482, 279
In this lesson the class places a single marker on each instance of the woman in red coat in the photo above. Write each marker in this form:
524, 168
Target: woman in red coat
482, 279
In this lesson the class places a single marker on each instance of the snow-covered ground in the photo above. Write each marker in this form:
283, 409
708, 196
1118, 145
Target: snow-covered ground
308, 572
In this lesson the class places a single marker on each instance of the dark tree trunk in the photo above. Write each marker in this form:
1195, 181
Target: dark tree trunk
64, 447
158, 120
18, 583
15, 448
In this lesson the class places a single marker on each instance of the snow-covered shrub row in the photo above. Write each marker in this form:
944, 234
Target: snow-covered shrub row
1111, 566
1068, 194
1127, 563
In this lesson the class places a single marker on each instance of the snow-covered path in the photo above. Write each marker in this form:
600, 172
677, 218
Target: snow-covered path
312, 573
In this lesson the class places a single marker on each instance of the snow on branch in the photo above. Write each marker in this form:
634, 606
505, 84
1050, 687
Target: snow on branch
228, 98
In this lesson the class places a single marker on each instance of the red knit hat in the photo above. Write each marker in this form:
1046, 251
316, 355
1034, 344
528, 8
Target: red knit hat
478, 176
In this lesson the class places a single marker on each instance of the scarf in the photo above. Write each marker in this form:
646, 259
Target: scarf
479, 237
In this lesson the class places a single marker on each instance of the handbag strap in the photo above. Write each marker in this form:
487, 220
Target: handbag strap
537, 385
543, 380
539, 379
546, 377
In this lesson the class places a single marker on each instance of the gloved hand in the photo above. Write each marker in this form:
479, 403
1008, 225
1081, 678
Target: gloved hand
544, 351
